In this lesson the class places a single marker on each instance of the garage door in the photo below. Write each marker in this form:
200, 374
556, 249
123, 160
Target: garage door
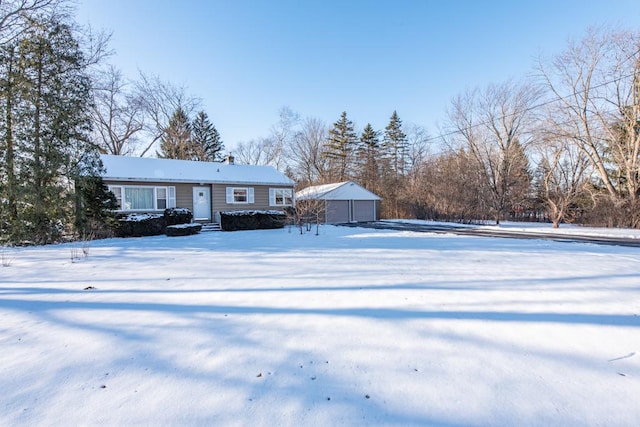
337, 211
364, 210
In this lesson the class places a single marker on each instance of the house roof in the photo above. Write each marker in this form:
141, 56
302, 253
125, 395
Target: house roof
347, 190
123, 168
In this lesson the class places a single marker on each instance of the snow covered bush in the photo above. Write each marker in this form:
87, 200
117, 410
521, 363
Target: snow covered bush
252, 220
95, 208
137, 225
183, 229
174, 216
151, 224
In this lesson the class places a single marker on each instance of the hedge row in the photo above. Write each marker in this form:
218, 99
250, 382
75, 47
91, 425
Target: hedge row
177, 222
252, 220
138, 225
176, 216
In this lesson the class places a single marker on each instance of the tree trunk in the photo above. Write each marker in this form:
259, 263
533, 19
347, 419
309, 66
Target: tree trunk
10, 154
37, 152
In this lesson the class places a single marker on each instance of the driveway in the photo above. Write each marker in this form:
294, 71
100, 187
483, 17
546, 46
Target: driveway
448, 228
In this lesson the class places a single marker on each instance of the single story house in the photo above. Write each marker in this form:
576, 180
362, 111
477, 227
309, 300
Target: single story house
344, 202
144, 184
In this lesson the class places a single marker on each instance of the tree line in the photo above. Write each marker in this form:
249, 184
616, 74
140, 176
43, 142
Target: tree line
562, 145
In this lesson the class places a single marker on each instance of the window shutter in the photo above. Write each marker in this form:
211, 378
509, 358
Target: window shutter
250, 191
171, 197
229, 195
272, 197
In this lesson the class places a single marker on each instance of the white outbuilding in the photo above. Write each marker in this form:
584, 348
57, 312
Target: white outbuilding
343, 202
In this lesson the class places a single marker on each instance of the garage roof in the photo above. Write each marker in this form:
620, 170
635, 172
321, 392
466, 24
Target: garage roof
347, 190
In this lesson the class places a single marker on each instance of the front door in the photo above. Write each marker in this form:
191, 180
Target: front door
202, 203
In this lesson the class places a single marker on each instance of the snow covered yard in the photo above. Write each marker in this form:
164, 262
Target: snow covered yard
351, 327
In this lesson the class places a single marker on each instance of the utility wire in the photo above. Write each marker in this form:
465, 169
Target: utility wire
442, 136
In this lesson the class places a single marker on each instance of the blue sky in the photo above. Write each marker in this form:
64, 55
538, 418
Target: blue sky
247, 59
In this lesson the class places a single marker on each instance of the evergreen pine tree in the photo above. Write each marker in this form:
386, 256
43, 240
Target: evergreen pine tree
9, 89
340, 147
95, 207
396, 146
176, 141
368, 155
50, 124
205, 140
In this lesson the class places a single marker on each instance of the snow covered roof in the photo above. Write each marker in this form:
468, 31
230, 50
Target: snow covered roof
347, 190
122, 168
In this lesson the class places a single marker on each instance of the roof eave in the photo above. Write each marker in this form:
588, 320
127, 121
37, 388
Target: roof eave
193, 181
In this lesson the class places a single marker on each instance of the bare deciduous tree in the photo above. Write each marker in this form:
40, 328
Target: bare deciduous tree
281, 135
256, 152
415, 186
563, 176
15, 13
453, 188
306, 152
159, 100
308, 212
117, 113
596, 81
273, 149
492, 125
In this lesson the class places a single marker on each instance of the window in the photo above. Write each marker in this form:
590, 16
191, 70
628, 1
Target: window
280, 196
140, 198
161, 198
240, 195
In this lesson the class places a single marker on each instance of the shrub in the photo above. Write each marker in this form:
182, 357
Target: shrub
137, 225
151, 224
271, 219
175, 216
95, 206
183, 229
252, 220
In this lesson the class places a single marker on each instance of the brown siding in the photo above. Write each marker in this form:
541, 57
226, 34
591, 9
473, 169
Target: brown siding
260, 196
184, 195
